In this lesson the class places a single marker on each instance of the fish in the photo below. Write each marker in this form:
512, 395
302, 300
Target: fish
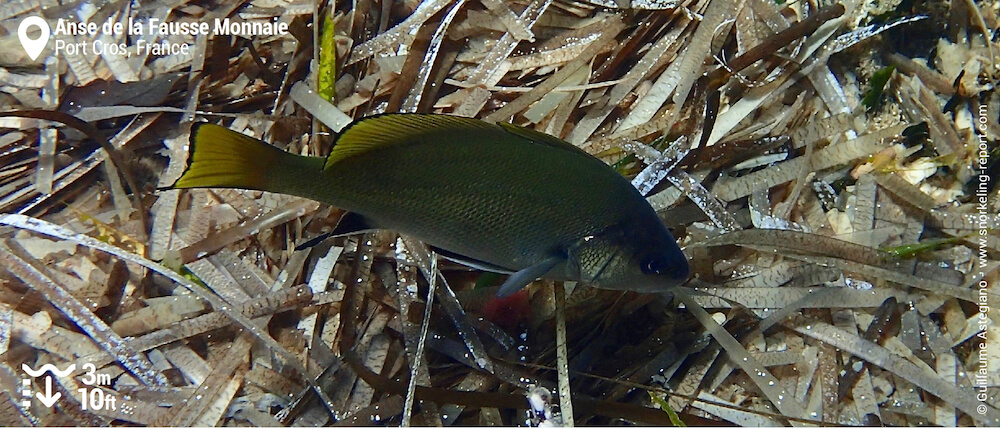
494, 196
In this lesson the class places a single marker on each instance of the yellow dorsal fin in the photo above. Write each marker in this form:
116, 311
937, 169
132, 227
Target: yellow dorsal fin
394, 129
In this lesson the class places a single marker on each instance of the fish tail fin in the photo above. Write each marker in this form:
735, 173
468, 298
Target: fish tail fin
221, 157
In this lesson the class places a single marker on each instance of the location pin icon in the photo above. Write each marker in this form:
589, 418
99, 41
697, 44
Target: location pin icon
33, 47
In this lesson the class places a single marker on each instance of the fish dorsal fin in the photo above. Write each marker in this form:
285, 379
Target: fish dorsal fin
543, 138
396, 129
405, 128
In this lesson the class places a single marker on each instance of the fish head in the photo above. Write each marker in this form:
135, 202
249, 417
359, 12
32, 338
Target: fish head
640, 257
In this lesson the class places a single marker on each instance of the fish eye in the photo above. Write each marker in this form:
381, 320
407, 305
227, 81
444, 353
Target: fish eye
654, 265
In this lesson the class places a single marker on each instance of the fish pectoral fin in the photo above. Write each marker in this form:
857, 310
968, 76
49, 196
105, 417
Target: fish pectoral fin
350, 223
523, 277
470, 262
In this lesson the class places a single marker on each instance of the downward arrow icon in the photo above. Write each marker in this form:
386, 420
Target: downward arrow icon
48, 399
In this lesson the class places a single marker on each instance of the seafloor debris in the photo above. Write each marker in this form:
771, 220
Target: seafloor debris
830, 170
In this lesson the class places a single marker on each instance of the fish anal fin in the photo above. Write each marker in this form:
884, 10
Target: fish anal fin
523, 277
351, 223
471, 262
